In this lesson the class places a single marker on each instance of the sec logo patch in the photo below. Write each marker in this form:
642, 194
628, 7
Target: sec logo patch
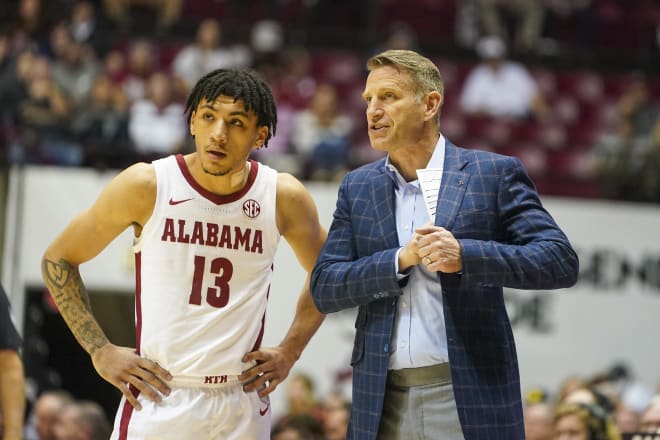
251, 208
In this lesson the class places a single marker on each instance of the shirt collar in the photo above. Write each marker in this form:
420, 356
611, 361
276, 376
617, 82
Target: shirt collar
437, 161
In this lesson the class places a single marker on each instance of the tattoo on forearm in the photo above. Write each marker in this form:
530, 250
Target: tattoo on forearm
70, 295
58, 274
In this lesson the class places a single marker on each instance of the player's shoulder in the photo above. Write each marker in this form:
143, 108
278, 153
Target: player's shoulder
288, 186
134, 184
139, 175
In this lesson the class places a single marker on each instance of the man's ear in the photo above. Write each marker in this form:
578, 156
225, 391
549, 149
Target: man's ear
191, 124
433, 102
262, 135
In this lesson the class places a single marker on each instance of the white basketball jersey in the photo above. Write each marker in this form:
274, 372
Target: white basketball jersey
203, 271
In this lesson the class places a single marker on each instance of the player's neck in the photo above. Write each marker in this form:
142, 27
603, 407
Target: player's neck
231, 182
238, 179
225, 184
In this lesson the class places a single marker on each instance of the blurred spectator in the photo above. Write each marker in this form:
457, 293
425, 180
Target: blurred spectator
157, 124
12, 376
86, 26
629, 161
46, 409
626, 418
101, 124
568, 385
168, 13
141, 64
538, 421
516, 22
498, 87
84, 420
567, 24
32, 21
11, 77
336, 415
400, 35
584, 422
207, 53
59, 39
650, 420
301, 396
297, 427
321, 135
590, 395
467, 26
5, 51
6, 71
114, 65
43, 118
267, 41
14, 88
297, 84
343, 14
75, 71
619, 384
638, 111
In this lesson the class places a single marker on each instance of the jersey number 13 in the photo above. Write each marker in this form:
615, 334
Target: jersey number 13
217, 296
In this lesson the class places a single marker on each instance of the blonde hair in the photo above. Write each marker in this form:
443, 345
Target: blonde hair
424, 74
595, 419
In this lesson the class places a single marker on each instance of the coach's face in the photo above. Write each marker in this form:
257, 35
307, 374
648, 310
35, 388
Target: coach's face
395, 116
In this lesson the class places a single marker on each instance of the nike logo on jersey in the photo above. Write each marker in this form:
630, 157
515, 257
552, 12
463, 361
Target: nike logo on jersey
176, 202
262, 412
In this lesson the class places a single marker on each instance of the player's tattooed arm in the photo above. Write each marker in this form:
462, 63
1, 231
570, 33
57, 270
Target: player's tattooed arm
69, 293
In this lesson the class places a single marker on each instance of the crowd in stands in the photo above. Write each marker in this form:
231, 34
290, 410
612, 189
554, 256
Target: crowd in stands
101, 83
58, 415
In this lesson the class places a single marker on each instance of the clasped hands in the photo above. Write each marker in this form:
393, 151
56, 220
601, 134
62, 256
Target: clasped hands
434, 247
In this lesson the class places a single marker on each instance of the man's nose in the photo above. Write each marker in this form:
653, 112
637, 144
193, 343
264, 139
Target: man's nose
373, 108
219, 132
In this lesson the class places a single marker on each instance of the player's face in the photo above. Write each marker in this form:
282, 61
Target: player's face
394, 114
225, 134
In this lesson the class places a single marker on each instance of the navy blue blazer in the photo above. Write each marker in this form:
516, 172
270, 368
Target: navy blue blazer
508, 239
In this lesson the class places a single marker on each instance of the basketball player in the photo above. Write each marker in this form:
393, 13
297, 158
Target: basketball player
206, 228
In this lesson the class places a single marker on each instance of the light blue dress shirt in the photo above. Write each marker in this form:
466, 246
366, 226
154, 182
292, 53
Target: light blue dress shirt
419, 337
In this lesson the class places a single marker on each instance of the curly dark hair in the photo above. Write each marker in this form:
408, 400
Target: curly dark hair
240, 84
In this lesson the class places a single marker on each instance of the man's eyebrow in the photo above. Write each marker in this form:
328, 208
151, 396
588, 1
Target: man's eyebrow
234, 113
239, 113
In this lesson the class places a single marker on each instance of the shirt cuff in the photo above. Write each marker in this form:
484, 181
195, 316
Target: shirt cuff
403, 275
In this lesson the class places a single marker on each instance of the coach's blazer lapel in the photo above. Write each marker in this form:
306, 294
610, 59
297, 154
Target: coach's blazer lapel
382, 197
452, 188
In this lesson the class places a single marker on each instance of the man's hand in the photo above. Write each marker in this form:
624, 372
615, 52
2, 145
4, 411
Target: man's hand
438, 250
409, 254
273, 366
124, 369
